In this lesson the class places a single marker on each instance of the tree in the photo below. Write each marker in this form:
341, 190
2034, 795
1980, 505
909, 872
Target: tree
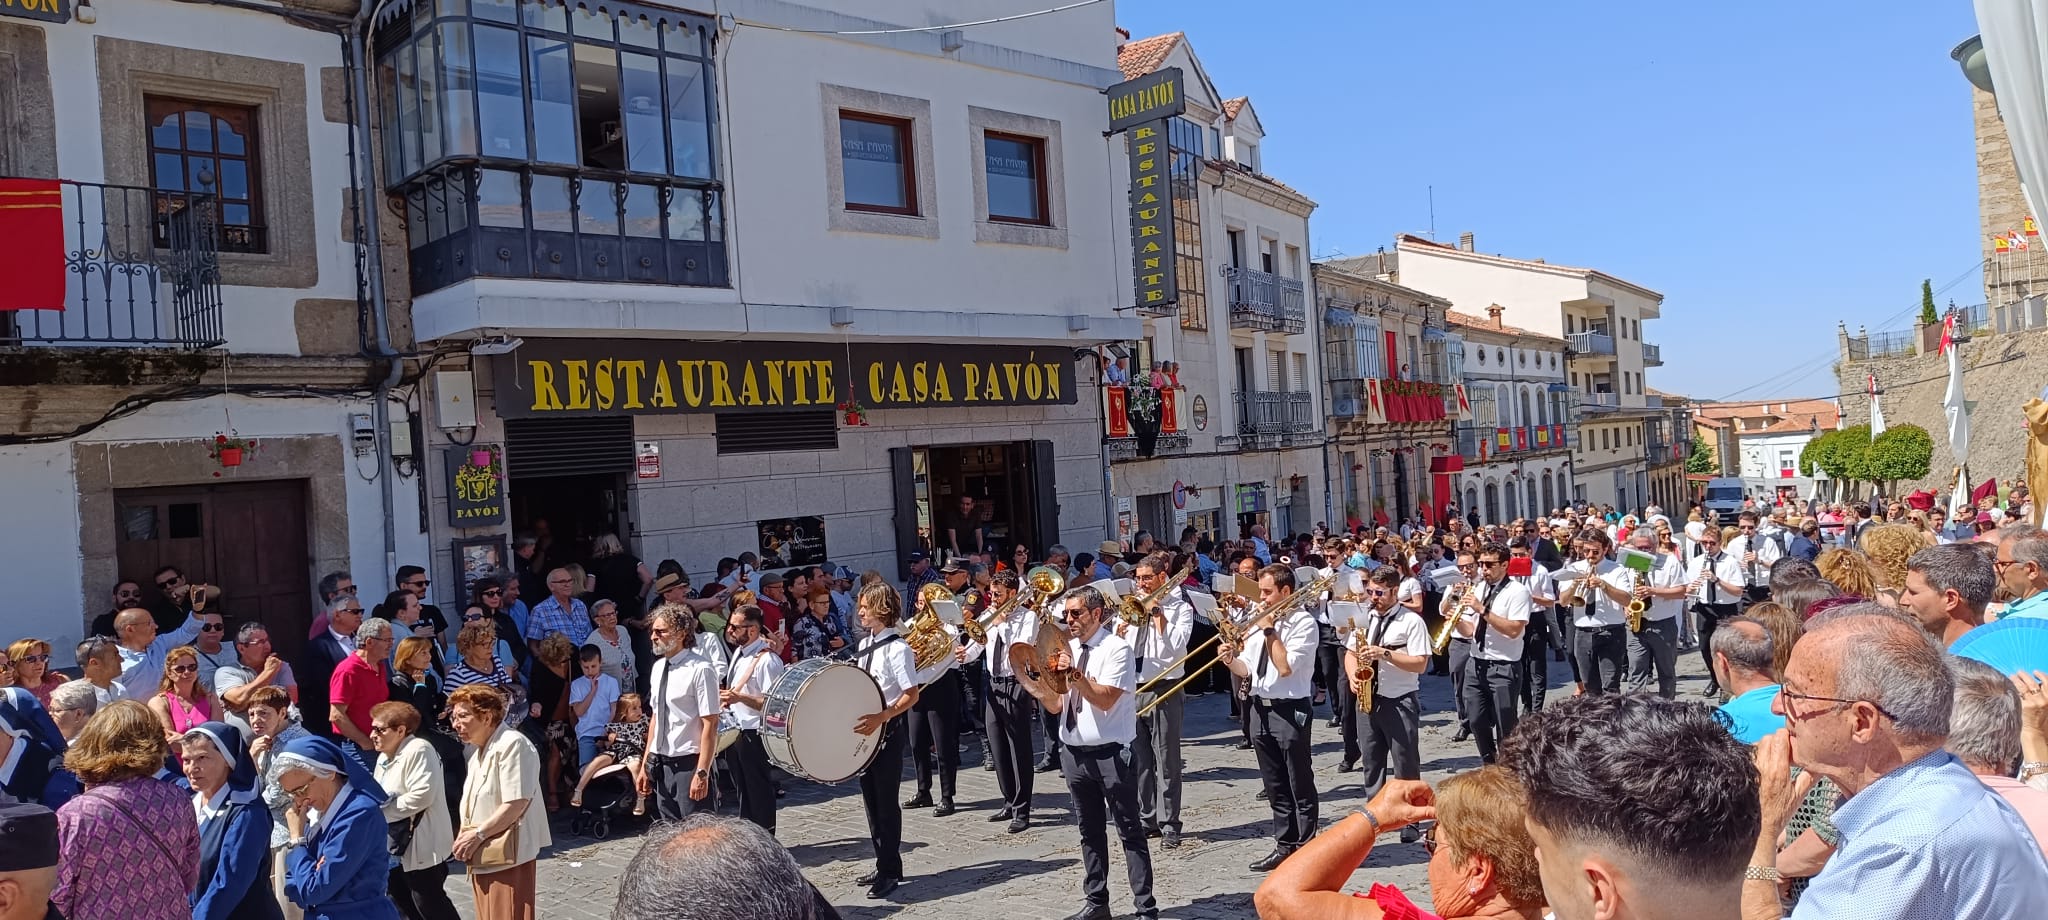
1702, 459
1902, 452
1843, 455
1927, 312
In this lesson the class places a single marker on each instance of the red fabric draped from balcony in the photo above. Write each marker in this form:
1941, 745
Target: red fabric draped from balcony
1410, 401
32, 223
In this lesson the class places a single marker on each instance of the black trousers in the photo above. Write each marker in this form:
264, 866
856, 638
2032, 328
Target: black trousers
1490, 702
1460, 655
423, 894
1534, 681
1100, 779
1049, 726
1711, 616
1565, 638
1392, 729
935, 729
747, 761
1012, 718
1329, 664
973, 694
1210, 681
670, 779
1280, 739
1343, 701
1602, 653
880, 783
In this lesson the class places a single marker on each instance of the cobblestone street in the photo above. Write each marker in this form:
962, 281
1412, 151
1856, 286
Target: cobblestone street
964, 866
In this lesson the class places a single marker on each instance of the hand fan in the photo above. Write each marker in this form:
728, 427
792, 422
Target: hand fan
2011, 646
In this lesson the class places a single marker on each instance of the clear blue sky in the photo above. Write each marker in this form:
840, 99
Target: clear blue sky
1771, 168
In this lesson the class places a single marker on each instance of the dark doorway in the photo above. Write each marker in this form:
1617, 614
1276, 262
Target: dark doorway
248, 538
569, 512
1011, 484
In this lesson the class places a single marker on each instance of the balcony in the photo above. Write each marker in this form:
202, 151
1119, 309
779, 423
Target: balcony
465, 220
1653, 355
1162, 417
1271, 414
141, 268
1478, 443
1264, 302
1590, 344
1598, 401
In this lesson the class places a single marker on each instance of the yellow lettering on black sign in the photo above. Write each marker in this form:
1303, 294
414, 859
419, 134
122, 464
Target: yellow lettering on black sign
617, 384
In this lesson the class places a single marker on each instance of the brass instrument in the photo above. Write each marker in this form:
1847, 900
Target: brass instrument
1230, 620
1136, 610
1036, 656
1637, 606
929, 641
1293, 604
1442, 641
1039, 583
1368, 675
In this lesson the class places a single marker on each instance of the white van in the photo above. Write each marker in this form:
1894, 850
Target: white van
1723, 499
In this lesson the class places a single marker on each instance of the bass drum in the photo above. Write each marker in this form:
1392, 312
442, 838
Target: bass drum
807, 724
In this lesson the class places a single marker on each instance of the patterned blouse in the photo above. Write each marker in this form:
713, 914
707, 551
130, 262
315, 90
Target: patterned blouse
112, 867
812, 637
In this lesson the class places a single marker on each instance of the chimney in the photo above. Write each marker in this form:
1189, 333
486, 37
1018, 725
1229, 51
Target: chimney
1465, 241
1493, 311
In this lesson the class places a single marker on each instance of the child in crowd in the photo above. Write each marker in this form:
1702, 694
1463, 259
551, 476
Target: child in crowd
625, 738
591, 699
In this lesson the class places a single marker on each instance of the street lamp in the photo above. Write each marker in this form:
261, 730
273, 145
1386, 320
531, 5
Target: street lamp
1970, 54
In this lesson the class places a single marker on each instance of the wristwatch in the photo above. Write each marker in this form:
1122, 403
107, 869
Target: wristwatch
1763, 874
703, 774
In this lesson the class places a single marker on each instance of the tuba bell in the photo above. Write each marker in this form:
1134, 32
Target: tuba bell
927, 636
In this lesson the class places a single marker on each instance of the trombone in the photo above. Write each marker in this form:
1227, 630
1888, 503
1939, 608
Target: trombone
1235, 632
1229, 608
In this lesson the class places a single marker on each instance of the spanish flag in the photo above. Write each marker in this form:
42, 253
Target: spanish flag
32, 261
2000, 245
2032, 229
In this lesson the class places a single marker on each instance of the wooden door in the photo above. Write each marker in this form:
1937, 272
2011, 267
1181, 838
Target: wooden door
248, 538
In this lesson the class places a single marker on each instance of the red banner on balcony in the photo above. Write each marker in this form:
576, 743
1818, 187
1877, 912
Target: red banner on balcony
32, 261
1521, 439
1375, 402
1169, 411
1116, 405
1412, 401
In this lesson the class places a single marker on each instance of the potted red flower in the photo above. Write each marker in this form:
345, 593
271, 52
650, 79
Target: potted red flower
230, 449
856, 415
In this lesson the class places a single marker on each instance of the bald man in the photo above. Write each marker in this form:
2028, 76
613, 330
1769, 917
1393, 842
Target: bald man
143, 651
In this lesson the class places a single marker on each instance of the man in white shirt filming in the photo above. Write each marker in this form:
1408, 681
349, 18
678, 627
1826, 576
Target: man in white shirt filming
743, 692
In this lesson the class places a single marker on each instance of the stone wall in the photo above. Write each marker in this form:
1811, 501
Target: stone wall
1999, 373
2002, 207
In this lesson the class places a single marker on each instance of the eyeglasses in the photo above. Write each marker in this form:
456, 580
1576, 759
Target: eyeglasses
418, 584
300, 792
349, 590
472, 618
184, 668
1429, 840
1490, 563
1838, 701
34, 659
349, 610
166, 584
1376, 592
213, 627
494, 592
376, 729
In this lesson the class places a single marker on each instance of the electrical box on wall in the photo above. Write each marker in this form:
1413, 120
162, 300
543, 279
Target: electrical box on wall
455, 399
362, 433
401, 436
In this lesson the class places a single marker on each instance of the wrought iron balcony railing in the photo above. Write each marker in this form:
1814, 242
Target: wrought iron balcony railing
141, 268
1271, 413
1265, 302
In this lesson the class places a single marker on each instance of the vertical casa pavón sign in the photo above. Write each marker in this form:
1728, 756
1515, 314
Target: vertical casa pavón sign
1142, 109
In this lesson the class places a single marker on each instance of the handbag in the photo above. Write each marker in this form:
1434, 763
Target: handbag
498, 853
400, 835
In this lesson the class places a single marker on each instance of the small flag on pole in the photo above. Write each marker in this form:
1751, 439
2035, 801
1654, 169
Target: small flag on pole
2031, 228
2001, 245
2019, 243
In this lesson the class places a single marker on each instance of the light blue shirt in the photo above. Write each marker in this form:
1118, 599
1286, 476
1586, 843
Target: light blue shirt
142, 671
2034, 606
1929, 841
1751, 715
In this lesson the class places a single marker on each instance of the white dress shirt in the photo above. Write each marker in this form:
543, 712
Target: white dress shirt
142, 671
752, 672
1540, 582
1767, 553
1402, 630
1020, 626
1509, 601
1109, 662
1606, 611
1158, 649
1298, 636
889, 662
1666, 571
691, 694
1725, 569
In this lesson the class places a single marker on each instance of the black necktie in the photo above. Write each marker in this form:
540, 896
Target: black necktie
1264, 655
1479, 638
660, 701
1073, 706
1713, 597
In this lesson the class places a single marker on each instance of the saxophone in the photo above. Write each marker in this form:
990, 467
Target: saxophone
1368, 675
1442, 642
1637, 606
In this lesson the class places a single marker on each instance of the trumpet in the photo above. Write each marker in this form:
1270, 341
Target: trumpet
1240, 626
1136, 610
1039, 583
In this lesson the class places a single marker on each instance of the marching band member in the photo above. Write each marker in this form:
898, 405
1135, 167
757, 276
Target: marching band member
1277, 662
682, 734
1012, 716
886, 658
1460, 650
753, 670
1493, 615
1098, 720
1654, 650
1757, 553
1535, 682
1161, 642
1598, 590
1395, 642
935, 720
1714, 584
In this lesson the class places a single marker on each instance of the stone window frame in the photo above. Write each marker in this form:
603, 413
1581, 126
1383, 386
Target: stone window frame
925, 224
128, 70
1053, 233
28, 115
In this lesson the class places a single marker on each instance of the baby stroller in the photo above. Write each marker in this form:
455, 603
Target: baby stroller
609, 796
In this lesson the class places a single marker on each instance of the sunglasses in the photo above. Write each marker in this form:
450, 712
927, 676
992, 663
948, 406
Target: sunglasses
1429, 840
494, 592
213, 627
349, 590
418, 584
166, 584
184, 668
472, 618
34, 659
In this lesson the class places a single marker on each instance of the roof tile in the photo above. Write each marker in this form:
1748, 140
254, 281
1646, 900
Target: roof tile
1233, 106
1138, 58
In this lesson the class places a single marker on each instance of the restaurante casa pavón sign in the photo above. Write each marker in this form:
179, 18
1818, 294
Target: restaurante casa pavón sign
559, 377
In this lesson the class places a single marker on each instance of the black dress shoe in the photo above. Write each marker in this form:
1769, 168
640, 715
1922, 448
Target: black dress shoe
1272, 860
1410, 834
1152, 831
1243, 745
945, 808
1091, 913
1170, 838
1019, 823
881, 888
919, 801
1261, 796
869, 878
1047, 766
1347, 766
1464, 734
1002, 814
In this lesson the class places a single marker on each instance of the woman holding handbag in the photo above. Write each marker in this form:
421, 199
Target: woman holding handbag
409, 769
336, 868
130, 842
503, 830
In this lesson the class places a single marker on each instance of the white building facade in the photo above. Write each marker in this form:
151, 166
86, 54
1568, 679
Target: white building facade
1393, 370
1516, 447
197, 159
768, 283
1601, 318
1245, 408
